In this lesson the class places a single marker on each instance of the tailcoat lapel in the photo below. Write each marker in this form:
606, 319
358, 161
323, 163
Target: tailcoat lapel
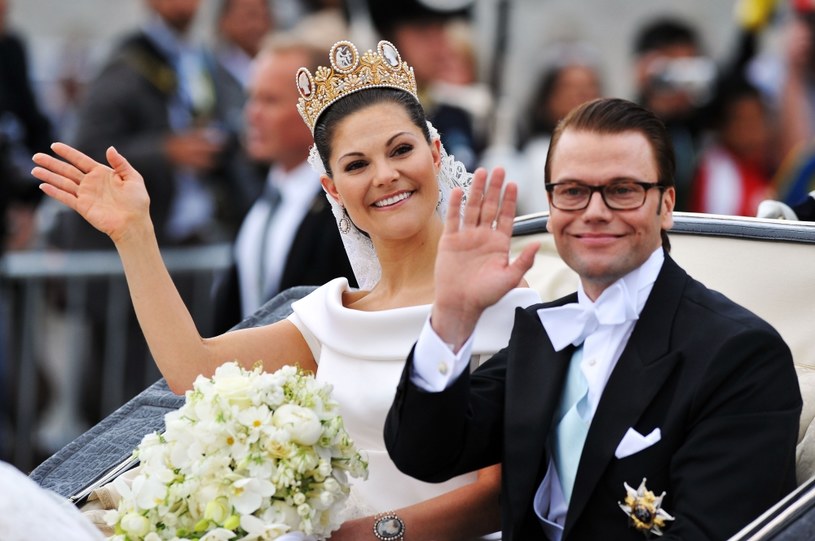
640, 373
534, 380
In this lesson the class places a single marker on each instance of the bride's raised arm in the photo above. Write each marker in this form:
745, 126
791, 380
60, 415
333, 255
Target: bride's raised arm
114, 200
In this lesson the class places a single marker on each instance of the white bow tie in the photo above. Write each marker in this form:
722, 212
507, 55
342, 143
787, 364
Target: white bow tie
573, 322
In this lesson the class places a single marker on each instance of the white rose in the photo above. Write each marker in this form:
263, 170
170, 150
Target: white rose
234, 388
135, 525
301, 423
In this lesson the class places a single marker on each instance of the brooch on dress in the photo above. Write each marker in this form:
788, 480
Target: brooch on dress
644, 510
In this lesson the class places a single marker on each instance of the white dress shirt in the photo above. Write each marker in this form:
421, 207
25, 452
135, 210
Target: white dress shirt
236, 62
601, 351
297, 189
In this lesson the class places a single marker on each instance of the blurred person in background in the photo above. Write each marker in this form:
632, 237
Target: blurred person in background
156, 100
458, 82
241, 26
735, 167
289, 236
571, 77
5, 388
420, 32
674, 78
24, 128
795, 181
797, 97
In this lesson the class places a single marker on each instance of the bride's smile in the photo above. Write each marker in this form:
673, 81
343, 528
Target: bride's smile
392, 200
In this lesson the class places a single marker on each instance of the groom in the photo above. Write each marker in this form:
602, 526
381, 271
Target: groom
643, 377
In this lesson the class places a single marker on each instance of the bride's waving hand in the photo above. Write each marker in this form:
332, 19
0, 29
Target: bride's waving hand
112, 198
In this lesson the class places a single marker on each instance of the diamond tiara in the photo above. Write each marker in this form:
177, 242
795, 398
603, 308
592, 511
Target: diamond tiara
349, 73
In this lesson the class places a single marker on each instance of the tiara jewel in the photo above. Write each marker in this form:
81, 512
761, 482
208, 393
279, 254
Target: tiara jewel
350, 72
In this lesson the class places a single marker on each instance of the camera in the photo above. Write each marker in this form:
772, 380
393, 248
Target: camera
694, 76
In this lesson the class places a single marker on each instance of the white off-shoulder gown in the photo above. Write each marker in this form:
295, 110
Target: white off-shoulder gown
362, 355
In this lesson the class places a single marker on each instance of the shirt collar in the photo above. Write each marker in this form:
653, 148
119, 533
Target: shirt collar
299, 182
638, 282
619, 303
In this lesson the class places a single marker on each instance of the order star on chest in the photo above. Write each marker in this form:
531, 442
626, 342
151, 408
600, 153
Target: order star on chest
392, 200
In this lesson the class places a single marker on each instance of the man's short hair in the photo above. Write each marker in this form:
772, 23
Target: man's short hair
615, 115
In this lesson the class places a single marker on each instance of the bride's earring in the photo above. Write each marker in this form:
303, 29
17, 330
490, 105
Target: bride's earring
441, 198
344, 224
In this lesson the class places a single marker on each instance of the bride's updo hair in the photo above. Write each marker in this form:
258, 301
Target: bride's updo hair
326, 126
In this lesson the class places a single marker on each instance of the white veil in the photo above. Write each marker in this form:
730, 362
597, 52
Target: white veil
358, 246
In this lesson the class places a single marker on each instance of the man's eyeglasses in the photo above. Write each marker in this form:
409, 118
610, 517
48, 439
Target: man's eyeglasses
621, 195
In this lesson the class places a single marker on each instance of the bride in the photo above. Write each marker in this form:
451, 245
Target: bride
388, 179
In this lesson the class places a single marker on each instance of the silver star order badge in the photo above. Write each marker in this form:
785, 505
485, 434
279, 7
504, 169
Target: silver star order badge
644, 510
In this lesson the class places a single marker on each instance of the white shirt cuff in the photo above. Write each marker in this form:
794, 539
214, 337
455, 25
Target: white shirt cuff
435, 366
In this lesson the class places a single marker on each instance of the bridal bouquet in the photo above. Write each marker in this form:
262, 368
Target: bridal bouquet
250, 455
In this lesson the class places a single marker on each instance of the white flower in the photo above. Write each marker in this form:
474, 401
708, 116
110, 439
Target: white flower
148, 491
230, 384
249, 454
135, 525
221, 534
281, 512
217, 510
249, 494
301, 423
258, 529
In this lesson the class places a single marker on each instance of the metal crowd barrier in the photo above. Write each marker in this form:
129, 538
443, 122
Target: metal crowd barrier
37, 346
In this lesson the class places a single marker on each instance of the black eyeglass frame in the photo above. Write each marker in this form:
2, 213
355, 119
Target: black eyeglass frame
550, 187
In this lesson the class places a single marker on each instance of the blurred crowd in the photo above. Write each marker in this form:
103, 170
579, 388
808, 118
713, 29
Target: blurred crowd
216, 141
741, 124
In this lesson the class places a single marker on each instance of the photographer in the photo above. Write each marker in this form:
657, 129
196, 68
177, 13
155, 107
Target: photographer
662, 50
676, 80
797, 114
